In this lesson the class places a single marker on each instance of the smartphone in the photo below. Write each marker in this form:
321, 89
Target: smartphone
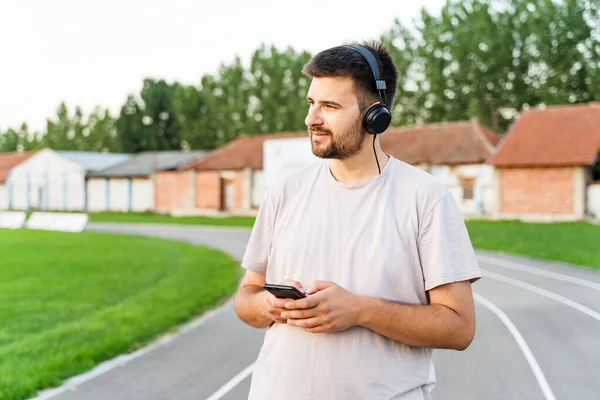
284, 291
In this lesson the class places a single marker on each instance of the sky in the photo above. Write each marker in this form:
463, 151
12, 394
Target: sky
95, 53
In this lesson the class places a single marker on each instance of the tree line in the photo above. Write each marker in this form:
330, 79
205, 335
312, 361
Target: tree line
477, 58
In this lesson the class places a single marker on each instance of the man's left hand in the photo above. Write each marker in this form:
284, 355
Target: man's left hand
327, 308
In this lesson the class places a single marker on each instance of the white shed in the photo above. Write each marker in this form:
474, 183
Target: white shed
8, 161
55, 180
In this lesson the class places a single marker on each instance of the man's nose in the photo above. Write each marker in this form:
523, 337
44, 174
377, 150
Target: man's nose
313, 118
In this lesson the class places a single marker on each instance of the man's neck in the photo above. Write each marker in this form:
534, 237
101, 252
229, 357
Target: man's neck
360, 167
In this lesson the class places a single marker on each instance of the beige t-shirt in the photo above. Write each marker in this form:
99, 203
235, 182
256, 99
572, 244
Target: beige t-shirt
393, 236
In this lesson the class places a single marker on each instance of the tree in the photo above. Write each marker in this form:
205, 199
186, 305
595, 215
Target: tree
100, 132
19, 140
224, 104
559, 41
188, 105
489, 59
59, 132
278, 99
403, 47
9, 140
162, 128
131, 132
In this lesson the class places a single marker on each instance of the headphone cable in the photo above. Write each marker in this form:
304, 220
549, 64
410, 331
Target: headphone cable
374, 152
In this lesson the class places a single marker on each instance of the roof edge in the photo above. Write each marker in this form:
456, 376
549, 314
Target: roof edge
481, 136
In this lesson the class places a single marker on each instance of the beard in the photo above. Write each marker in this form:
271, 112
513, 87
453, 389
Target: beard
339, 146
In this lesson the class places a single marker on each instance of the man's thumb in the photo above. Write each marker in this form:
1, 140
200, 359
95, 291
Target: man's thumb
319, 285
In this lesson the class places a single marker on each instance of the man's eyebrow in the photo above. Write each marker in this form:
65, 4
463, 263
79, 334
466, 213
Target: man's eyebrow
328, 102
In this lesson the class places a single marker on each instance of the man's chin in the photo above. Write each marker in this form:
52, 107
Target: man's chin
324, 154
320, 150
320, 154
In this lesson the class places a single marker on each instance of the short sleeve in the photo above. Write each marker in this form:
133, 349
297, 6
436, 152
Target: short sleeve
445, 248
257, 251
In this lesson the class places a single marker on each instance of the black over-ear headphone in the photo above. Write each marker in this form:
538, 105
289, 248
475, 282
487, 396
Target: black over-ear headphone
378, 117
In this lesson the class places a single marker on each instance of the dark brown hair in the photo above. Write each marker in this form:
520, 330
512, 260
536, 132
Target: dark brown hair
342, 61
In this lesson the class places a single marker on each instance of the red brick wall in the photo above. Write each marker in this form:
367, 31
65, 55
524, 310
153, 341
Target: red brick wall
208, 190
537, 190
172, 190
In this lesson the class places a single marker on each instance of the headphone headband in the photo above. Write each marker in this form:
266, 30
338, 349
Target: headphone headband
378, 117
370, 58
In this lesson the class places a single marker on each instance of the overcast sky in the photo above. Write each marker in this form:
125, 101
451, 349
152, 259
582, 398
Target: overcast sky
92, 53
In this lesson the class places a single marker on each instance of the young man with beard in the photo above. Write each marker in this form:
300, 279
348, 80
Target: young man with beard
379, 247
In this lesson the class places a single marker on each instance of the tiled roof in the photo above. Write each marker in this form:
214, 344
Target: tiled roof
9, 160
565, 135
242, 152
445, 143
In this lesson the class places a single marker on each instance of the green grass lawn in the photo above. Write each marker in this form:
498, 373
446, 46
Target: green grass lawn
576, 243
240, 221
69, 301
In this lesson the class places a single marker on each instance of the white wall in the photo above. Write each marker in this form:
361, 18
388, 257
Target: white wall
142, 192
258, 188
96, 194
579, 192
75, 187
483, 190
3, 197
282, 156
118, 194
47, 181
593, 199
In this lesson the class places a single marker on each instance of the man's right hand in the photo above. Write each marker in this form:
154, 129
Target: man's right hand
275, 306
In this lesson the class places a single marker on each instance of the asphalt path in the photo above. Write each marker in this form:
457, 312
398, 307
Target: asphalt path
538, 337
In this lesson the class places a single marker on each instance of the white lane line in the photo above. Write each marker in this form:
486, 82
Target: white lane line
543, 292
72, 383
232, 383
535, 367
539, 271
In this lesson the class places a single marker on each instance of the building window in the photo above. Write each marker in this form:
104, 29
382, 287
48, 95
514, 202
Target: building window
467, 185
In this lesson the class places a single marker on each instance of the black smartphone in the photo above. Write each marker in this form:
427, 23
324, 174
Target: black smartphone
284, 291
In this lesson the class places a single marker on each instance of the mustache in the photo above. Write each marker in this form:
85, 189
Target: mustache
319, 130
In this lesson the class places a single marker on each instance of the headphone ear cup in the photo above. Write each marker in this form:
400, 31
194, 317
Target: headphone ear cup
377, 119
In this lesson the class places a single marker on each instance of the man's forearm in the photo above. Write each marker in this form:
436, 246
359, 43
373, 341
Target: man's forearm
433, 326
247, 307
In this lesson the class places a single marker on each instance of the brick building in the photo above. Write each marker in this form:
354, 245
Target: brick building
547, 166
228, 179
131, 185
457, 153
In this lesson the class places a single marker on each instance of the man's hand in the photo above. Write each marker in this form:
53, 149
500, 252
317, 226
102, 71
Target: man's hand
328, 308
275, 306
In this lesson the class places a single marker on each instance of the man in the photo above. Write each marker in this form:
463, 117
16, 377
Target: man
379, 247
